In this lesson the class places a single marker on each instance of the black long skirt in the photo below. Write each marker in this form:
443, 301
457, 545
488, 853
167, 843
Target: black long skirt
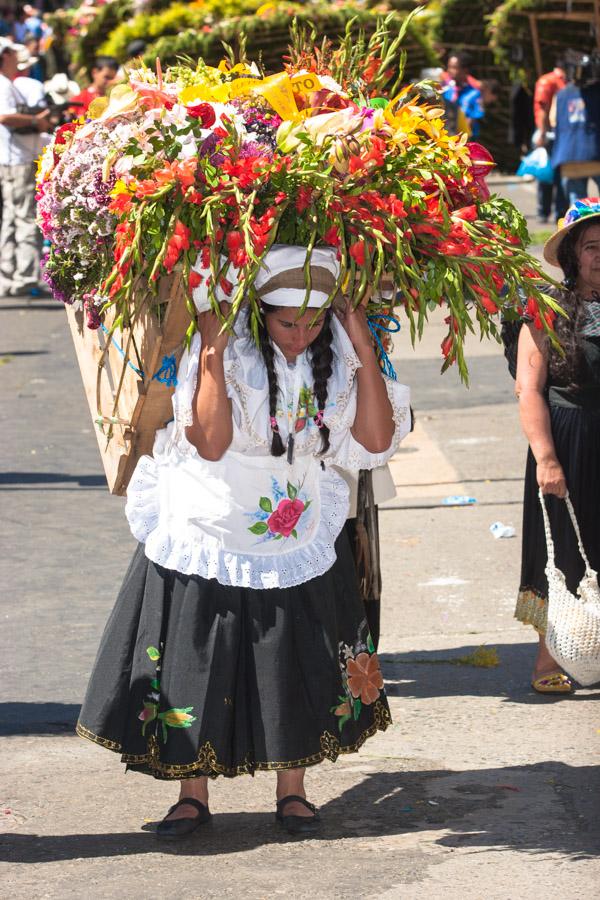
576, 434
195, 678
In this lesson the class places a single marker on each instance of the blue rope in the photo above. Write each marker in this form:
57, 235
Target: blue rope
376, 327
122, 352
167, 373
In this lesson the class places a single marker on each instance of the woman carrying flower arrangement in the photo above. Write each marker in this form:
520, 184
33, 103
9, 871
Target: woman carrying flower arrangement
238, 641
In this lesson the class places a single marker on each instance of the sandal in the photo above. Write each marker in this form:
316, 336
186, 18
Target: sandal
298, 824
171, 829
553, 683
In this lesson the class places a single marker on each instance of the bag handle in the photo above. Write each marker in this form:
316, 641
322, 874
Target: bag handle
550, 542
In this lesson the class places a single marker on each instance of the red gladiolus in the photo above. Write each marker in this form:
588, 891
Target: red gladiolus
178, 242
226, 286
488, 304
303, 199
467, 213
236, 248
332, 236
357, 252
531, 307
195, 280
446, 345
204, 112
121, 204
424, 228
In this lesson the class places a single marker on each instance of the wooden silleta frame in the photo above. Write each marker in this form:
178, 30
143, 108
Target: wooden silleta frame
129, 377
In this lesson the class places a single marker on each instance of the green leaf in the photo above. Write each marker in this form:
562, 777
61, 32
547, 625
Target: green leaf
342, 721
155, 684
294, 534
259, 528
153, 653
265, 504
370, 644
292, 491
357, 708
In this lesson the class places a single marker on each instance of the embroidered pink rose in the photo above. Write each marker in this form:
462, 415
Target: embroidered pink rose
285, 518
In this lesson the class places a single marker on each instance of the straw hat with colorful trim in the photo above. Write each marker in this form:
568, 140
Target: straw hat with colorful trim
579, 212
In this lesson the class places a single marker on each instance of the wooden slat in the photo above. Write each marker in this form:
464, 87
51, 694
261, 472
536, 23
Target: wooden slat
143, 404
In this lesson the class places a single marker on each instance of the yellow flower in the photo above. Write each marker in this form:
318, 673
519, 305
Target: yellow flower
122, 188
178, 718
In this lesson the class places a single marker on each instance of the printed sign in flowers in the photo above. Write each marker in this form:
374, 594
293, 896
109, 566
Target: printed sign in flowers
215, 165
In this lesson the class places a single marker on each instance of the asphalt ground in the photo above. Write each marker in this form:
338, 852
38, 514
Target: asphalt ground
480, 788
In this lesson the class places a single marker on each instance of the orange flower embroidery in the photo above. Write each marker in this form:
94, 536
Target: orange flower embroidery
364, 677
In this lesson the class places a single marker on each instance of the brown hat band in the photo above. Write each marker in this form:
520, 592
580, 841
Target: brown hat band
321, 280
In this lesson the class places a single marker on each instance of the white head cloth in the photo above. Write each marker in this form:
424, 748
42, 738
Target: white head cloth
281, 282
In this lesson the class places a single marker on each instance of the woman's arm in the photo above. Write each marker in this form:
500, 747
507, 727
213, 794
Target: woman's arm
532, 374
374, 422
212, 429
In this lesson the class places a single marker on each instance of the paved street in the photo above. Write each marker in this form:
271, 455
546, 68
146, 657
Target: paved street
480, 789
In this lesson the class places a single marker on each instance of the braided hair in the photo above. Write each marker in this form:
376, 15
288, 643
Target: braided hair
321, 355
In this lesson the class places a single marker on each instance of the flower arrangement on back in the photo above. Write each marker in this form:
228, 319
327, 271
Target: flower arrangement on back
201, 170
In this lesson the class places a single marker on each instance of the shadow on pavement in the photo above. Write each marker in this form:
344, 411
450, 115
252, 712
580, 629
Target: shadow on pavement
9, 353
487, 808
430, 673
38, 718
24, 478
33, 305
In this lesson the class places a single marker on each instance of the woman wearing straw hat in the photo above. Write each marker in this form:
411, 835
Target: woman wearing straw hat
559, 402
239, 642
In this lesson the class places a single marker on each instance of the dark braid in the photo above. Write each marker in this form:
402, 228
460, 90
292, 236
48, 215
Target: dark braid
322, 366
277, 448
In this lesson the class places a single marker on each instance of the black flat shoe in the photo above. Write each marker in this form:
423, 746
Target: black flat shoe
298, 824
171, 829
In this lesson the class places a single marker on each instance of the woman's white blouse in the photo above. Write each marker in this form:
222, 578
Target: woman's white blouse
251, 519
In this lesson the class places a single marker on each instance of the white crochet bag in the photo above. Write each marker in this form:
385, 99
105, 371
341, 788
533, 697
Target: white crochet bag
573, 633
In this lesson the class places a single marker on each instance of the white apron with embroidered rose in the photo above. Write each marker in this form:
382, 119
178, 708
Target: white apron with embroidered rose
251, 519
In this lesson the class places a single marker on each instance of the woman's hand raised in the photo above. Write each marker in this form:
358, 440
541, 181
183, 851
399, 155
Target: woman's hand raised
209, 326
355, 324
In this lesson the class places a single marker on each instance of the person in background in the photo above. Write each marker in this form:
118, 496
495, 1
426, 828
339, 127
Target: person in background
20, 145
559, 406
19, 29
7, 21
31, 89
546, 88
576, 147
102, 76
37, 64
461, 91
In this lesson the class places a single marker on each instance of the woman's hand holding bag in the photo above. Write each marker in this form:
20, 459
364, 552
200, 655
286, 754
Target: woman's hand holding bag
573, 632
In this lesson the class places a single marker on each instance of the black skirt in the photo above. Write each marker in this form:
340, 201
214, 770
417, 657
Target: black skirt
576, 435
195, 678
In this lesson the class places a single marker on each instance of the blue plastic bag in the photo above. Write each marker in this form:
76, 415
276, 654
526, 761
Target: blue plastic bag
537, 163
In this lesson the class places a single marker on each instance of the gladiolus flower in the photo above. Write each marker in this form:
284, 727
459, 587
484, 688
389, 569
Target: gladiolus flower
466, 213
447, 345
178, 242
195, 280
357, 252
332, 236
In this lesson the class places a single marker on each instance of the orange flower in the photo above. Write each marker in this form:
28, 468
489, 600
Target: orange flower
364, 677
